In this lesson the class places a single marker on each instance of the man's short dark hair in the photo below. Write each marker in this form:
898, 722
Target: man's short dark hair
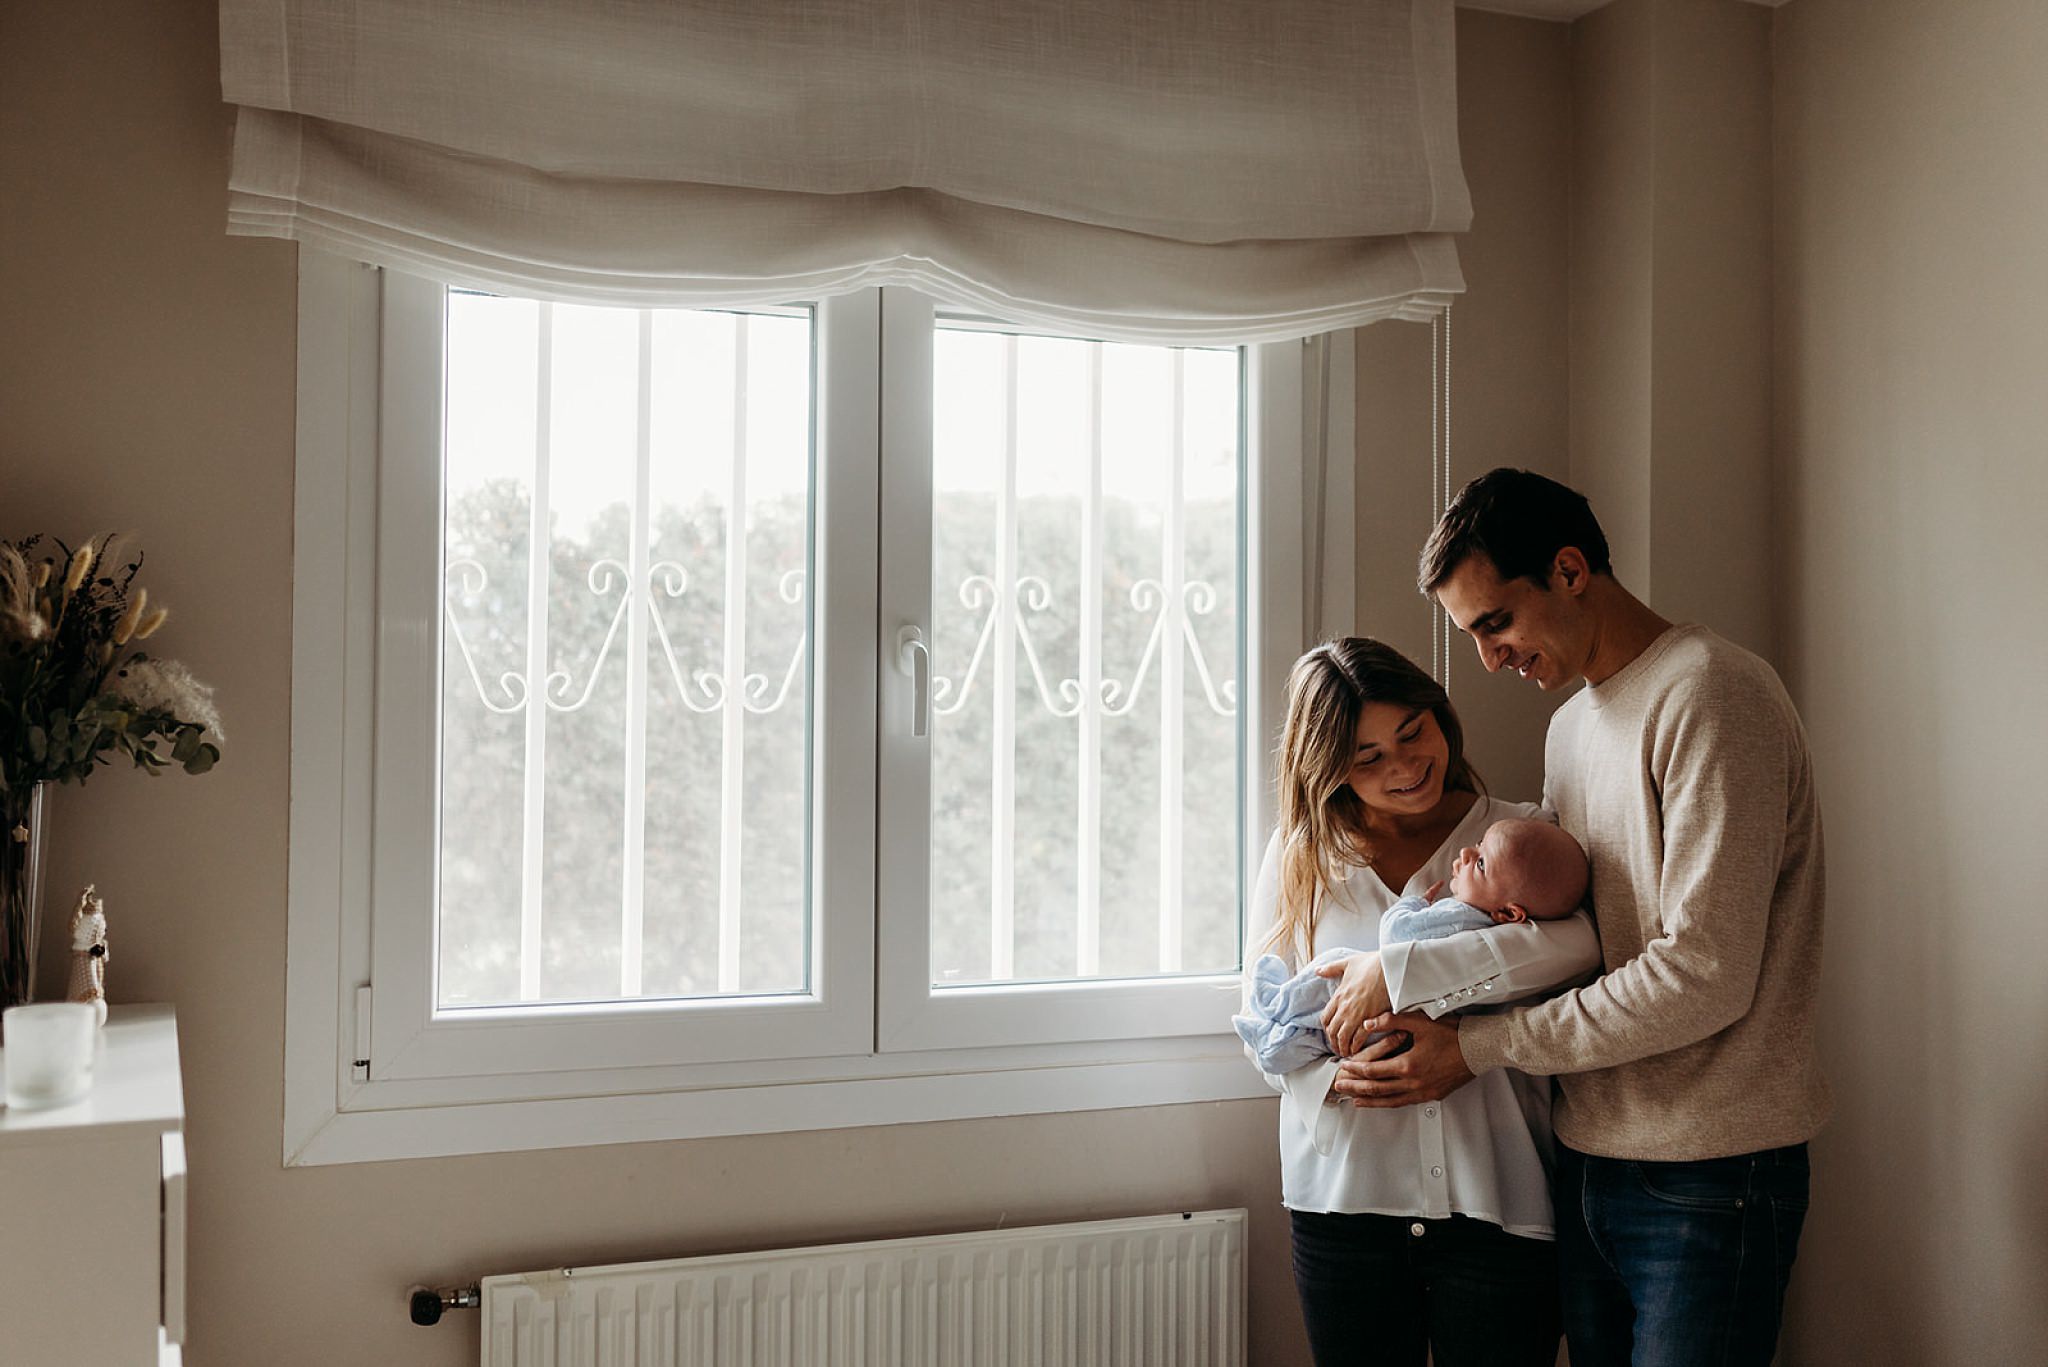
1519, 521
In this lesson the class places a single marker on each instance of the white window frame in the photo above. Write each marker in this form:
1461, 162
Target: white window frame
911, 1012
410, 1039
374, 1075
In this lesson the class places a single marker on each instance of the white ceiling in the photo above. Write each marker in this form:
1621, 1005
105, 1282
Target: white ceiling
1561, 10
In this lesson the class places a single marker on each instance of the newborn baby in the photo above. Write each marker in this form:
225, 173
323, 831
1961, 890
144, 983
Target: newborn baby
1521, 869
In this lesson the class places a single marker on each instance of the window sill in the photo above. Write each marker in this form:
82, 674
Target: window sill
374, 1123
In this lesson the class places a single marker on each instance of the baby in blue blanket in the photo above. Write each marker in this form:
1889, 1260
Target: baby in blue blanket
1520, 870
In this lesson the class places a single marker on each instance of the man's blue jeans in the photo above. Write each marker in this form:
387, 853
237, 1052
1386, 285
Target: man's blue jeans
1677, 1264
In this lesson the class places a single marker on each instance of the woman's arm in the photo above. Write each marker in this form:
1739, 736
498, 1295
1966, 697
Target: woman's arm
1486, 967
1259, 918
1304, 1090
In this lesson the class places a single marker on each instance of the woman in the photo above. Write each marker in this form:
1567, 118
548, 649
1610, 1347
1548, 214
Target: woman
1424, 1228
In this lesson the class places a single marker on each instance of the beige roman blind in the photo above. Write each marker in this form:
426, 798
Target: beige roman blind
1148, 170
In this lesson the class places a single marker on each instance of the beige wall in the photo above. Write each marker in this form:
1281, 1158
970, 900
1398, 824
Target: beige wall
1710, 424
146, 382
1613, 227
1670, 312
1616, 334
1912, 457
1508, 367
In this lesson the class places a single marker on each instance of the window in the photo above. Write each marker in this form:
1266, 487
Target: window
702, 714
624, 700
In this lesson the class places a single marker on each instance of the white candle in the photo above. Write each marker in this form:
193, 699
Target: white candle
48, 1053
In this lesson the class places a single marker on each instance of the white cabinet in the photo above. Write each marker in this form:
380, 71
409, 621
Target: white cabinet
92, 1210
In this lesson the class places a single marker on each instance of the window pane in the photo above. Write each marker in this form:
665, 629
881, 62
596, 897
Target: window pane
1086, 563
634, 824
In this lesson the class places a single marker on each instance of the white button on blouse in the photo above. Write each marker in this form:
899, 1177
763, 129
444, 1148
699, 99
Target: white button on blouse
1480, 1152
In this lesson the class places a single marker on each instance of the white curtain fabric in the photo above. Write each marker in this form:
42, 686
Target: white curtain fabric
1155, 170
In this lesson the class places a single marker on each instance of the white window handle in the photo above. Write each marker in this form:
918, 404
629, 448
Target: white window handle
914, 657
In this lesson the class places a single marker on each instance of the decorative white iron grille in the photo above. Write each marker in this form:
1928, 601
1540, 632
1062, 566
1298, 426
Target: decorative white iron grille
1085, 511
625, 682
626, 542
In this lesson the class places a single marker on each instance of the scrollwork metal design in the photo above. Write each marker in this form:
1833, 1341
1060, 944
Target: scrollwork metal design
1065, 698
706, 690
701, 692
475, 579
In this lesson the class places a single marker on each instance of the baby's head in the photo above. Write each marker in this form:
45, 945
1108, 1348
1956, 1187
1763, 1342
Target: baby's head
1520, 870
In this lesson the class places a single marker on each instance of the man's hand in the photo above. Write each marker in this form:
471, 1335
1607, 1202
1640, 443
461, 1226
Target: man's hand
1361, 996
1431, 1068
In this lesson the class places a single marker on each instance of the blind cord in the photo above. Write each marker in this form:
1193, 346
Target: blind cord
1442, 634
1443, 619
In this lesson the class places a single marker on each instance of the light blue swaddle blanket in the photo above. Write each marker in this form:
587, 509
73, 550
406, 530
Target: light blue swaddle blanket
1282, 1022
1413, 918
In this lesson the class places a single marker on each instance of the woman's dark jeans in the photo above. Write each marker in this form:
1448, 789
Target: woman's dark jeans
1384, 1290
1677, 1264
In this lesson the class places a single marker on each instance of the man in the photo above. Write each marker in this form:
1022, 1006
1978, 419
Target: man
1688, 1082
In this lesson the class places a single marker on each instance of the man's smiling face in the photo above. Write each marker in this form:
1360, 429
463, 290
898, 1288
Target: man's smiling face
1540, 633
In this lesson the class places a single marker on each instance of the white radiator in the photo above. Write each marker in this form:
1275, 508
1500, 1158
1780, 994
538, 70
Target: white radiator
1160, 1291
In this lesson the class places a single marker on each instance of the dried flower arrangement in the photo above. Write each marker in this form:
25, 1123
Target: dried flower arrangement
76, 690
76, 687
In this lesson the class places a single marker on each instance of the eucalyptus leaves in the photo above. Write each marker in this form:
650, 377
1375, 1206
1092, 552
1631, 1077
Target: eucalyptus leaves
76, 687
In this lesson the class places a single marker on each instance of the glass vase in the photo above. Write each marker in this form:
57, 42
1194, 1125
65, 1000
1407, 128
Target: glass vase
21, 891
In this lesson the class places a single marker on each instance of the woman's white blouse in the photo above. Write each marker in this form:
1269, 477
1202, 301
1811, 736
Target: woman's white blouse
1484, 1150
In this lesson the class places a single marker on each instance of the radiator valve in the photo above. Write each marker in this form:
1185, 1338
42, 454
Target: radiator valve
428, 1303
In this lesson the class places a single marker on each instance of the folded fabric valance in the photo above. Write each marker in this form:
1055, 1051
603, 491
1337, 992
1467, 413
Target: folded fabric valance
1205, 170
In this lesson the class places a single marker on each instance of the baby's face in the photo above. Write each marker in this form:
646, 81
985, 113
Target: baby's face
1484, 876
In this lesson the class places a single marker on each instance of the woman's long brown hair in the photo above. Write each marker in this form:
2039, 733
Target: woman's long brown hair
1322, 822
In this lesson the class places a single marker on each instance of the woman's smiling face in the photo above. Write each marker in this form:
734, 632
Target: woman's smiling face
1399, 764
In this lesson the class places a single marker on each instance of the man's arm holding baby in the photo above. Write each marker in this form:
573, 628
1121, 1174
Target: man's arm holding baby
1505, 963
1419, 1059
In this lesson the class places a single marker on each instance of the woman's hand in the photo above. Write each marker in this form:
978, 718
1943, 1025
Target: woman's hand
1359, 997
1416, 1059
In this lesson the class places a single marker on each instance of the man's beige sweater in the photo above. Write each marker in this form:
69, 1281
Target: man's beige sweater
1687, 778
